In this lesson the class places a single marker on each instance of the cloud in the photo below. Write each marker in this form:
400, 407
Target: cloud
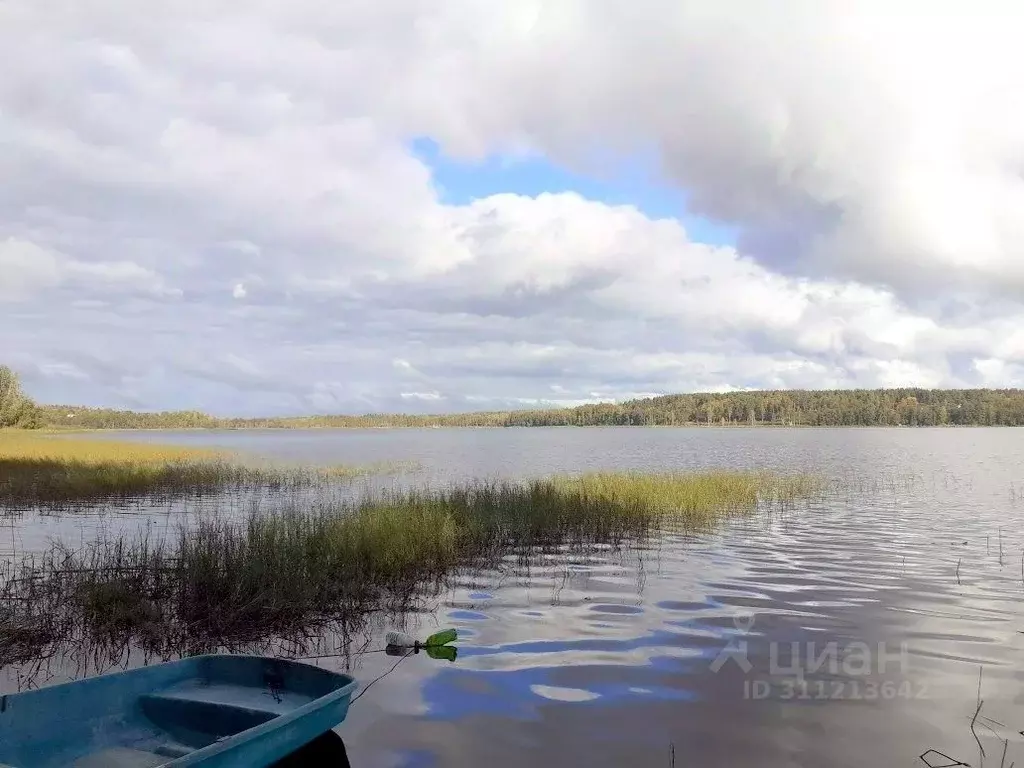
29, 269
870, 142
219, 209
26, 268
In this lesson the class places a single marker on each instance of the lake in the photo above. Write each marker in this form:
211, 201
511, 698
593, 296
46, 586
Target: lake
848, 633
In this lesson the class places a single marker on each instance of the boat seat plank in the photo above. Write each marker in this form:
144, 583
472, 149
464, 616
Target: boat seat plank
234, 697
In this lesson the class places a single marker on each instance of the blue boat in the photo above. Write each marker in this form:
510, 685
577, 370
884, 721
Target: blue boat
216, 711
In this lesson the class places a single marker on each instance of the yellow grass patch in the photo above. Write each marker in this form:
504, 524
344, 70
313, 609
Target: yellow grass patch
29, 446
47, 471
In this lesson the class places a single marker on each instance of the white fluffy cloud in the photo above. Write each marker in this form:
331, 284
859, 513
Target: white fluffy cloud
211, 207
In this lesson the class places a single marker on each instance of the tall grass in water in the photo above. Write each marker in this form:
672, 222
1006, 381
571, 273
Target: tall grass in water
692, 498
41, 471
280, 572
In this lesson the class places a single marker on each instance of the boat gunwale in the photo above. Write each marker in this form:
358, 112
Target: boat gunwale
275, 722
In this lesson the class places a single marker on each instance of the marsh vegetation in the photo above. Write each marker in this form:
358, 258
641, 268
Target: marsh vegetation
282, 571
46, 471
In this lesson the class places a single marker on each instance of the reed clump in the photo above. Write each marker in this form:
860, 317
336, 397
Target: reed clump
51, 472
278, 572
693, 498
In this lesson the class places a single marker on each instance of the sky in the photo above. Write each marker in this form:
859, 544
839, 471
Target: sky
304, 206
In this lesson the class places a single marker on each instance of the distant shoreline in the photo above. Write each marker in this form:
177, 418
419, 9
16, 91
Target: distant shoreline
345, 428
863, 408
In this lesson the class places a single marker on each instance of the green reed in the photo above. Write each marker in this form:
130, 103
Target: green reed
280, 571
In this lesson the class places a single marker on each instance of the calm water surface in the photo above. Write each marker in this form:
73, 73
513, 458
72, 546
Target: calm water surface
851, 633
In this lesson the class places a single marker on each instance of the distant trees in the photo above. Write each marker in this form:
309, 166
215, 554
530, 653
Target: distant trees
821, 408
108, 418
16, 409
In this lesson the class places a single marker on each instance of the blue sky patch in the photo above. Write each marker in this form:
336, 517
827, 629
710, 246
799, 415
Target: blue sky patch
631, 183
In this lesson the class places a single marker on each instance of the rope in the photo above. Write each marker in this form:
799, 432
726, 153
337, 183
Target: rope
412, 651
381, 677
336, 655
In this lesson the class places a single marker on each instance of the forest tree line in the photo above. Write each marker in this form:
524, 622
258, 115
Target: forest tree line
74, 417
910, 407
